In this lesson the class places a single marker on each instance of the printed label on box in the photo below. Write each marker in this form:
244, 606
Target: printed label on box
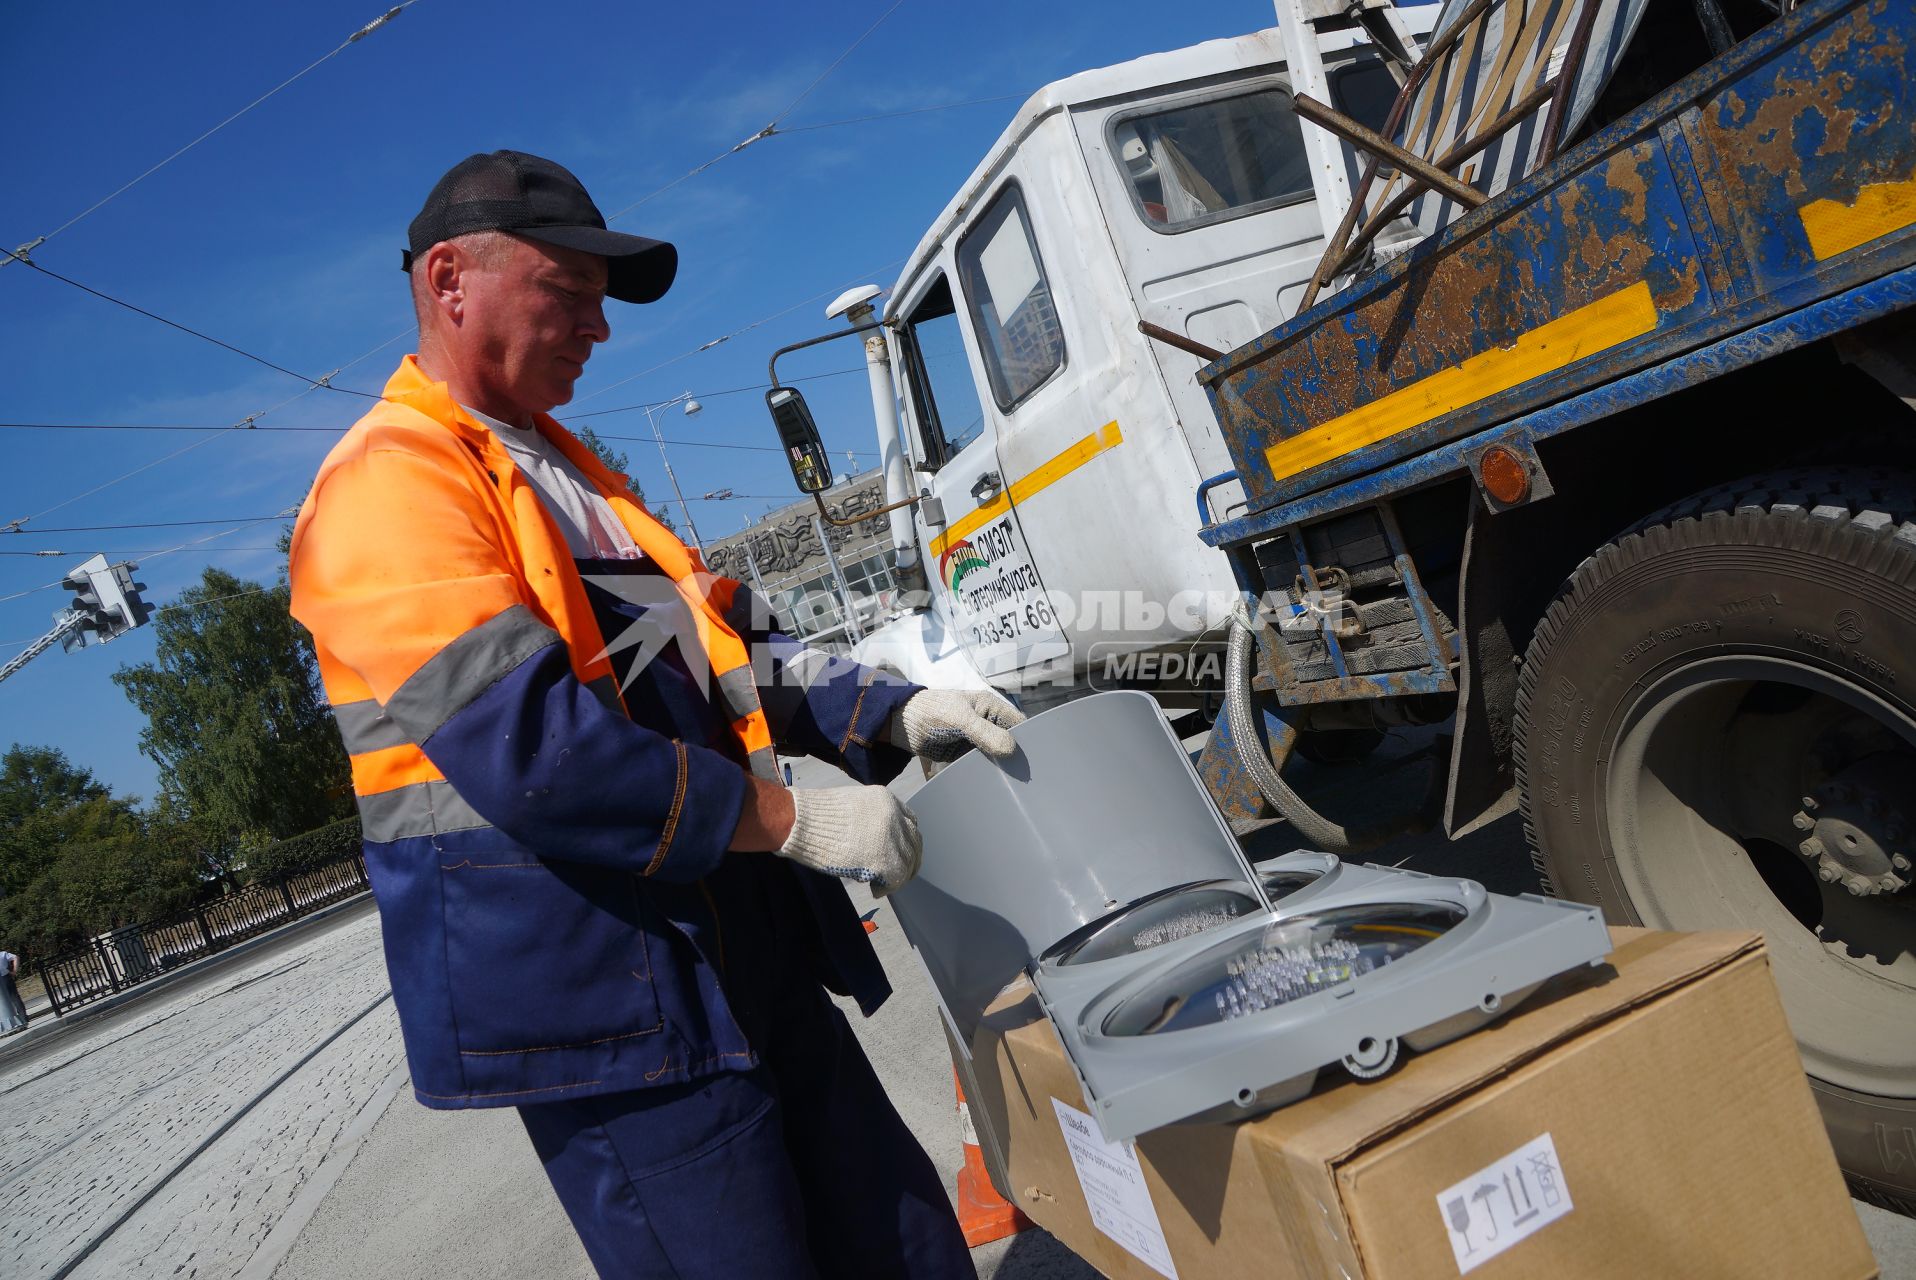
1504, 1202
1113, 1185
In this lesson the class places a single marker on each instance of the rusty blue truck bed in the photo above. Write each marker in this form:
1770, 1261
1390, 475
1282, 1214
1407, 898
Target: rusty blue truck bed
1763, 202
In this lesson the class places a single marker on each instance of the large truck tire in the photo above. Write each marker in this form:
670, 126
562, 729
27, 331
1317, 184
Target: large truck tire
1716, 729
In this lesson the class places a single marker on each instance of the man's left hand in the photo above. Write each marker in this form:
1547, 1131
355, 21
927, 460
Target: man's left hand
942, 724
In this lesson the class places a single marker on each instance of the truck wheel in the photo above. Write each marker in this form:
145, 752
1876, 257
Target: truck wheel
1716, 728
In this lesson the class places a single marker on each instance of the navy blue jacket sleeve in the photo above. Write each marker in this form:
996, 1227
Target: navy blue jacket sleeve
823, 705
543, 759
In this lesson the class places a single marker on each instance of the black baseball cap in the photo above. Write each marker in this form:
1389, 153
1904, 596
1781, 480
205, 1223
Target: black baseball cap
533, 197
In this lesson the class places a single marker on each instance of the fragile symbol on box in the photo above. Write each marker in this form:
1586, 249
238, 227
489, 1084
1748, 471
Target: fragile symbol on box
1504, 1202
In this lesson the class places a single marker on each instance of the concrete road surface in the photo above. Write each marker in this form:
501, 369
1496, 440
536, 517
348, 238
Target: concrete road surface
255, 1124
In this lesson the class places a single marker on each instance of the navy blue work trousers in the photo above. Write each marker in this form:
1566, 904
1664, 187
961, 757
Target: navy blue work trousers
799, 1169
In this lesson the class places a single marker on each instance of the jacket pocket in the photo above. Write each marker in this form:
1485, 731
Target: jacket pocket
543, 956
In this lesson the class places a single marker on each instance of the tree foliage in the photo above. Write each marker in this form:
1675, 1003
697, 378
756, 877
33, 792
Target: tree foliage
235, 718
38, 787
75, 860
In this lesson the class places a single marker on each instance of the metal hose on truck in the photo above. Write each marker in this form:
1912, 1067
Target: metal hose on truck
1240, 715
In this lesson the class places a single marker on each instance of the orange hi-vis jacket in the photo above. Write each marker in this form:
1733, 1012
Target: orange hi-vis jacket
513, 809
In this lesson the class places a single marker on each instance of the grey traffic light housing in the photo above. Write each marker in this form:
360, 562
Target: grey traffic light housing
108, 599
1184, 983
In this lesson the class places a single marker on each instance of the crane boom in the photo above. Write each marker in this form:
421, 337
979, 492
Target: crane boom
65, 625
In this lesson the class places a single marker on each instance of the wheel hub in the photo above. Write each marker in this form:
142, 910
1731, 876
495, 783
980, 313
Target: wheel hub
1856, 831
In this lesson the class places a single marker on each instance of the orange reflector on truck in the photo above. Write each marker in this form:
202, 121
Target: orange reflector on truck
1504, 475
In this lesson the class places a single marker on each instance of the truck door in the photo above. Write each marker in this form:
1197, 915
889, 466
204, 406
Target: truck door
981, 571
1208, 196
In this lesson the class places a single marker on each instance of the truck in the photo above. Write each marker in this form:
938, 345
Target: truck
1584, 438
1175, 189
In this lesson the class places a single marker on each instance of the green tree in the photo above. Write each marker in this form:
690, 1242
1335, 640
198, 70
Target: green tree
235, 718
119, 873
38, 785
619, 462
74, 859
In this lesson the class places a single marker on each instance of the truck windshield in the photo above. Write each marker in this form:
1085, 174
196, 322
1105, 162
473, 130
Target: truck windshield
1204, 162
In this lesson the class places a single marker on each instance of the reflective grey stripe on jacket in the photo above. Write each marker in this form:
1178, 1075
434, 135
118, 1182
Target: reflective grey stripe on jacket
418, 809
466, 668
364, 726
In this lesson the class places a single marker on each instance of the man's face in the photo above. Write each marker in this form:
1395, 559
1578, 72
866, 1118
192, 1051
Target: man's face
532, 314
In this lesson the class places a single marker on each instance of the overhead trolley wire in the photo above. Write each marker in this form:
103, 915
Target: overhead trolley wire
165, 608
575, 417
249, 422
743, 329
771, 126
312, 383
20, 254
151, 524
909, 111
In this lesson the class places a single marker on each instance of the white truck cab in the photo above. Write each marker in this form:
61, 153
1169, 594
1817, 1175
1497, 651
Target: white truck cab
1061, 448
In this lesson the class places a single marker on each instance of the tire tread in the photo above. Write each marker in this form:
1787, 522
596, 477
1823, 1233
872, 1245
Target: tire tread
1866, 516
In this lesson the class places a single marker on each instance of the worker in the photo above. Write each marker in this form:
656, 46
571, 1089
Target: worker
599, 904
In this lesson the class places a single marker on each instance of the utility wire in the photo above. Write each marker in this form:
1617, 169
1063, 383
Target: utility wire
20, 253
771, 126
249, 422
696, 395
154, 555
150, 524
894, 115
165, 608
727, 337
312, 383
124, 555
597, 413
823, 75
14, 526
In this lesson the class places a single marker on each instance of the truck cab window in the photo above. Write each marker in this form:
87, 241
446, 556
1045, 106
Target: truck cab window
1206, 162
1010, 301
1364, 91
944, 398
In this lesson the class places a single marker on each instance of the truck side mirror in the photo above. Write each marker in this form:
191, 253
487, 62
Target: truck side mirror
804, 451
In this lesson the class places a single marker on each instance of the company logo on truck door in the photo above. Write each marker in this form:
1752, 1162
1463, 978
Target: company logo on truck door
980, 551
959, 559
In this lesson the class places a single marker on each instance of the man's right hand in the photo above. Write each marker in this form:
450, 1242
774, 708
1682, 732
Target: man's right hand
856, 833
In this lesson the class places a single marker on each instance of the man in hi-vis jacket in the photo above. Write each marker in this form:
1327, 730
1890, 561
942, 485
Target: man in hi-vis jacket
599, 904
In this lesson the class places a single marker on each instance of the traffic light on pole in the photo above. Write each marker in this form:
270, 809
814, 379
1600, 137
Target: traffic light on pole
85, 583
107, 598
136, 611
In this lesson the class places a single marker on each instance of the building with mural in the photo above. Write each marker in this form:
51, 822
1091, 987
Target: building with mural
784, 557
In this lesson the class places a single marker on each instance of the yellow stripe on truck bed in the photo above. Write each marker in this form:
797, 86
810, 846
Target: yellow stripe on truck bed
1880, 208
1617, 318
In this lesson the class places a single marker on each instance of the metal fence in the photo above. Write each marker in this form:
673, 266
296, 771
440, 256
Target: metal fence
127, 956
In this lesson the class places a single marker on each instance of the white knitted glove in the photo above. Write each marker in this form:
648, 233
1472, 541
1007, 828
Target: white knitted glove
942, 724
855, 833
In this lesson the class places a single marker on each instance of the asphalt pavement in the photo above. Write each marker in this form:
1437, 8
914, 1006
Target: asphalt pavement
254, 1122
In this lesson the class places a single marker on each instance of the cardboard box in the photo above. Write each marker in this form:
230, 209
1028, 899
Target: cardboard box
1652, 1112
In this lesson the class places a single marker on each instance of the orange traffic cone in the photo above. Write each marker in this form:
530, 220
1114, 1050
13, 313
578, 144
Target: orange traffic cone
983, 1214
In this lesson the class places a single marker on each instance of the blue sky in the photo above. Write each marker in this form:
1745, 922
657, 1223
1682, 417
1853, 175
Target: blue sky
281, 234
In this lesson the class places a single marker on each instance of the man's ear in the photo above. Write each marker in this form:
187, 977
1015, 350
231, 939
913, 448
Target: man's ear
445, 280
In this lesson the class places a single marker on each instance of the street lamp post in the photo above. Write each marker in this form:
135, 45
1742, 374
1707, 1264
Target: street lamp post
692, 408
